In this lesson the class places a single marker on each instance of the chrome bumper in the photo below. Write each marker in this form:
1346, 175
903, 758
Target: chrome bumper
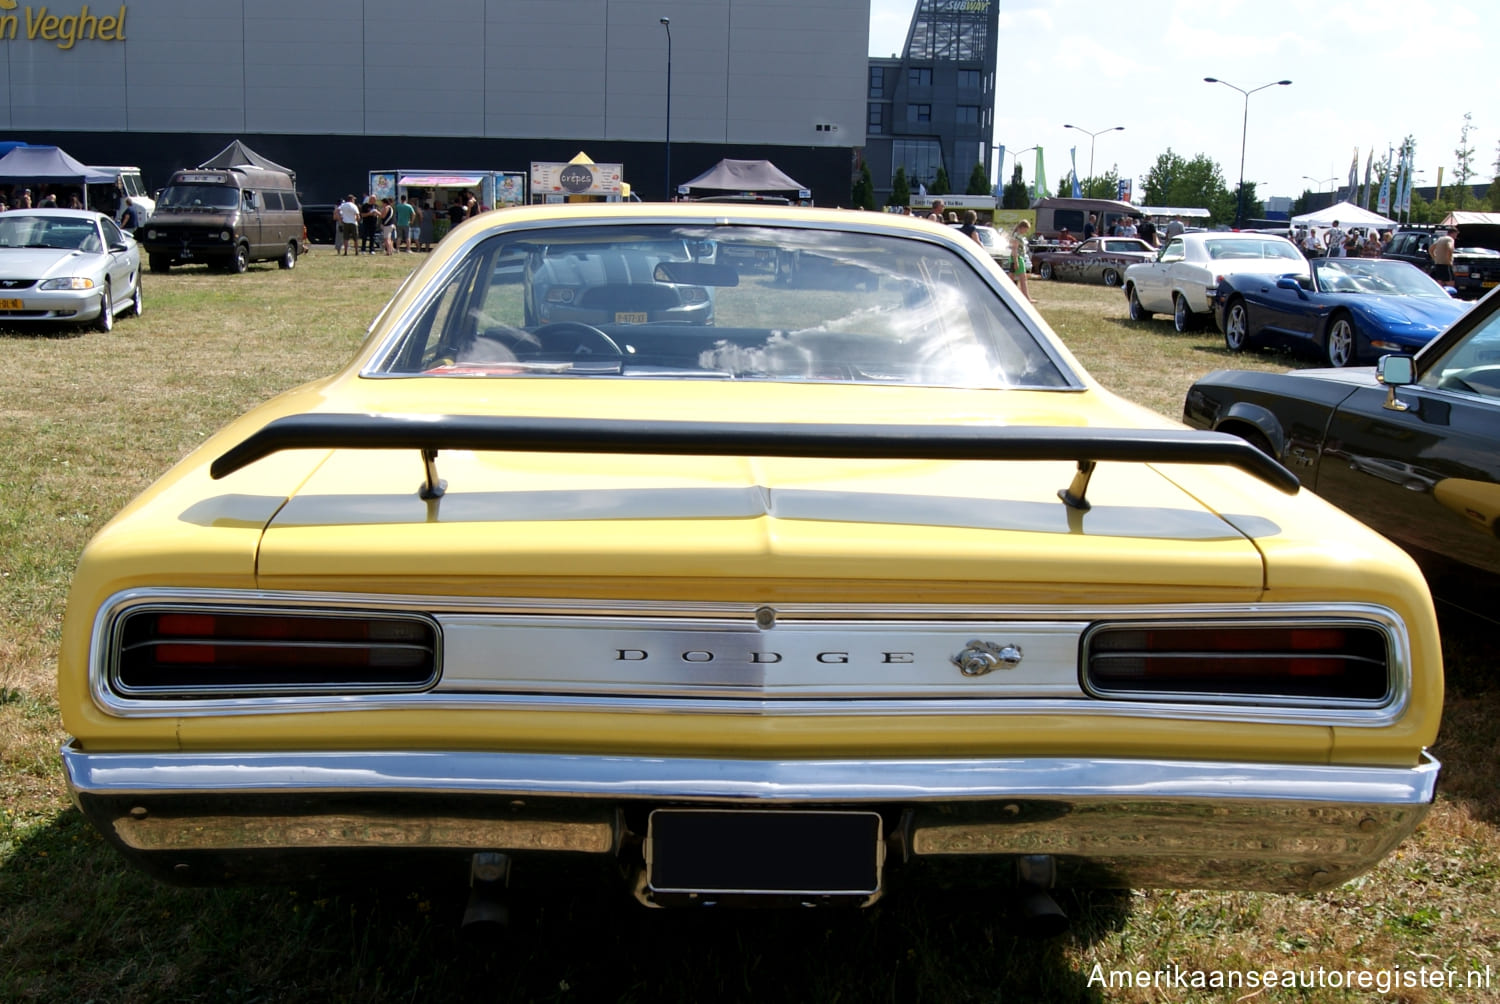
1123, 823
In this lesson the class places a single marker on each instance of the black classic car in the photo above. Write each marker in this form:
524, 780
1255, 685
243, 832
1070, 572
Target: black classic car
1411, 446
1476, 253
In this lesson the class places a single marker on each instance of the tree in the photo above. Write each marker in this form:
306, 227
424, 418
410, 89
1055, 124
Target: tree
864, 189
900, 189
939, 184
1105, 186
1463, 167
1190, 184
979, 181
1017, 194
1254, 208
1492, 195
1299, 206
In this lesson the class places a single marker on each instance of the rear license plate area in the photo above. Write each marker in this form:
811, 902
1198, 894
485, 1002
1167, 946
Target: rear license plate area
717, 851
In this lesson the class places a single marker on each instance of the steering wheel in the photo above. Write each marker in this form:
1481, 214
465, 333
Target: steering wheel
583, 334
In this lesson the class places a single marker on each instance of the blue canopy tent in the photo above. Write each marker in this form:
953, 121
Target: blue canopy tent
50, 165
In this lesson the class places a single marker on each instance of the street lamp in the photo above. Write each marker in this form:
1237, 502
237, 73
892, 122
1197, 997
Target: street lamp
1014, 153
1091, 136
666, 23
1239, 216
1319, 181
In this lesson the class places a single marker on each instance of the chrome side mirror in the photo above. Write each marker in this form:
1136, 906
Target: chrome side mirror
1395, 370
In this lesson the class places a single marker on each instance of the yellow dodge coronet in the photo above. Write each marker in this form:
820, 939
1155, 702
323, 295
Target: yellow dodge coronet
813, 566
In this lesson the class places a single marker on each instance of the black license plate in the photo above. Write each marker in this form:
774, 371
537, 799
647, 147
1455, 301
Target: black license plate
764, 852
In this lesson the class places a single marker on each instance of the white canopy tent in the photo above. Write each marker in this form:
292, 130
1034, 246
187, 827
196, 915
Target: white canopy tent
1346, 213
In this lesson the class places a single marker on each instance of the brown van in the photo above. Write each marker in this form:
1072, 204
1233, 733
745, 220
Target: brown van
225, 216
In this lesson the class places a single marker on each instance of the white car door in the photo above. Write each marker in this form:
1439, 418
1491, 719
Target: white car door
1155, 286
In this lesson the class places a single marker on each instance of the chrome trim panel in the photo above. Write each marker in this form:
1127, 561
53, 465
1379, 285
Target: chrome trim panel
1178, 824
699, 657
728, 781
651, 615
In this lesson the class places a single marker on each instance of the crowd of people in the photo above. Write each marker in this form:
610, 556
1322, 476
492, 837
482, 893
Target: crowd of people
47, 197
397, 225
1336, 242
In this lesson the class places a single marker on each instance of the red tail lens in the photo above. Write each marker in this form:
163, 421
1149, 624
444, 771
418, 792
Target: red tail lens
1339, 662
180, 653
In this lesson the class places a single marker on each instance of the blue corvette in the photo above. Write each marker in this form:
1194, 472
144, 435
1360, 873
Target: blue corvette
1347, 309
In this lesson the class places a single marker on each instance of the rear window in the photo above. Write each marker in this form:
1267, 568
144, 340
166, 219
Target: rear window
710, 302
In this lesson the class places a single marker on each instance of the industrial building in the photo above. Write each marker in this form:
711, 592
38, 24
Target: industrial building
933, 105
337, 88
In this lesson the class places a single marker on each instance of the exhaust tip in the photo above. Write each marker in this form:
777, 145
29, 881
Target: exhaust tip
488, 908
1039, 916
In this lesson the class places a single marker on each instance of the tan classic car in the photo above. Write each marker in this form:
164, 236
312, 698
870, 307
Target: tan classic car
865, 581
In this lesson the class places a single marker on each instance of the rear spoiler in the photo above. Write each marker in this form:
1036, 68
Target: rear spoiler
432, 433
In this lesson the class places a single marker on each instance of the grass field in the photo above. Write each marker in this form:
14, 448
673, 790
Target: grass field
87, 420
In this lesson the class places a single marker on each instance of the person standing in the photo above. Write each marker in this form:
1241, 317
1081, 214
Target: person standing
130, 218
388, 225
426, 224
458, 211
1020, 256
1147, 231
970, 225
406, 214
1091, 227
1334, 239
936, 212
1441, 253
348, 215
1175, 228
369, 224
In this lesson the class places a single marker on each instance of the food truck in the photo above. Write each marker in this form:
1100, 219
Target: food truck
434, 190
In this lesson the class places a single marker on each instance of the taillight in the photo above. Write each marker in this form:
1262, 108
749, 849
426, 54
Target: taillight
179, 653
1314, 662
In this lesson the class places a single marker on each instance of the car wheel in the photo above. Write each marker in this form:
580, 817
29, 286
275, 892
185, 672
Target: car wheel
1045, 270
1182, 317
288, 257
1236, 326
137, 302
160, 262
105, 322
1111, 277
240, 260
1341, 341
1255, 438
1137, 312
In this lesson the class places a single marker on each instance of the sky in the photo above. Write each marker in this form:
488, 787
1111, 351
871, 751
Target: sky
1365, 74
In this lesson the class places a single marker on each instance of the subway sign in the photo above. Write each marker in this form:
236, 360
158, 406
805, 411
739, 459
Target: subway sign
45, 24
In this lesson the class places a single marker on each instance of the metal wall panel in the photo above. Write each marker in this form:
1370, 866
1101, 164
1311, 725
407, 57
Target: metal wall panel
743, 71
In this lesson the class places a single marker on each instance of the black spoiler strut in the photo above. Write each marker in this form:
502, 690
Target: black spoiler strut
433, 433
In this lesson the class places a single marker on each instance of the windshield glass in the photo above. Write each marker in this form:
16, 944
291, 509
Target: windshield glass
198, 197
1373, 275
1472, 364
721, 303
1252, 247
20, 230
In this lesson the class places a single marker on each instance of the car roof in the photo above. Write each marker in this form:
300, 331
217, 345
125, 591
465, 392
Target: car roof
59, 214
